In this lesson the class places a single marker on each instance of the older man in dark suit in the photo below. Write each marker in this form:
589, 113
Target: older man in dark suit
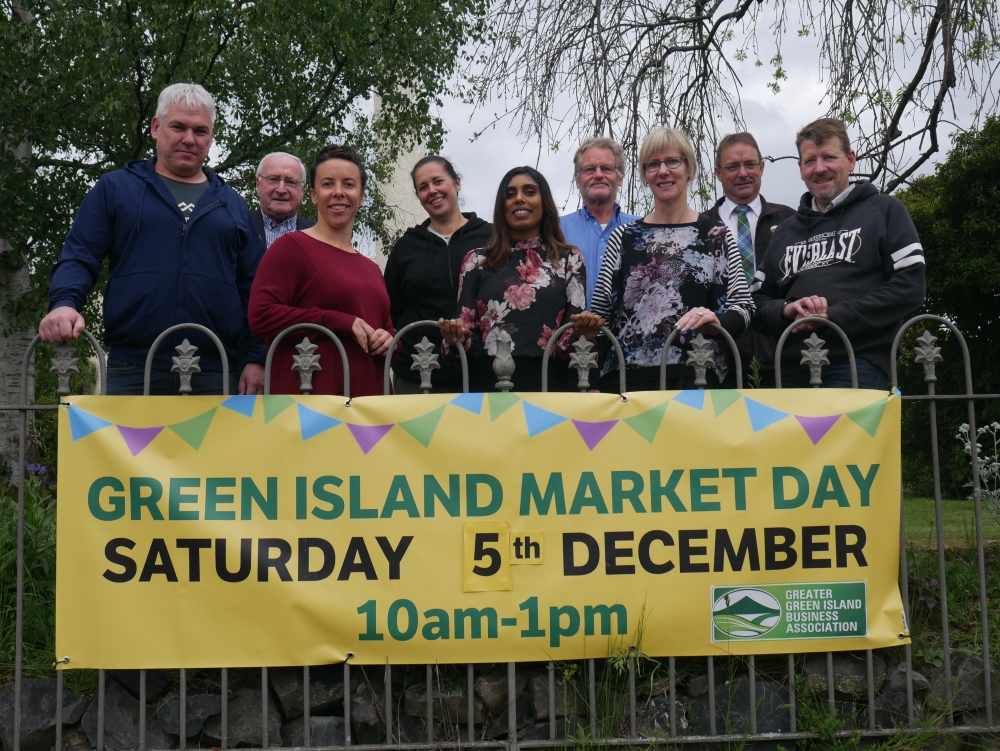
740, 167
281, 184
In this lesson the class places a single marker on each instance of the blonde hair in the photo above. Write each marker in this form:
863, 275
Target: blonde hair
667, 139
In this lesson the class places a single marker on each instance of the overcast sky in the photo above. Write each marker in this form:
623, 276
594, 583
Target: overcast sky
772, 118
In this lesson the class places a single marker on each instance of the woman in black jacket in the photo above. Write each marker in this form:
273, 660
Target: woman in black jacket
424, 267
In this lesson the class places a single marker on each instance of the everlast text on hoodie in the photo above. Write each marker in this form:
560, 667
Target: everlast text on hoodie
863, 255
422, 275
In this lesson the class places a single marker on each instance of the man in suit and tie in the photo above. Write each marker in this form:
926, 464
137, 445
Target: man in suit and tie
740, 167
281, 184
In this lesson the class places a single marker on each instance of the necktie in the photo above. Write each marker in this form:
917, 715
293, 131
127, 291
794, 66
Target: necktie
744, 241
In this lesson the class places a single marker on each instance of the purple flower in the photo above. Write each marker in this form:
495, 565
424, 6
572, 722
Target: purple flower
35, 469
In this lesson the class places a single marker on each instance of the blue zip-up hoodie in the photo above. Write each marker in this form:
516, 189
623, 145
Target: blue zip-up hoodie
163, 272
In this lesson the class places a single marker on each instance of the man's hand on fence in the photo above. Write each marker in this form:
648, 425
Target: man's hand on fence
60, 324
803, 308
454, 330
252, 379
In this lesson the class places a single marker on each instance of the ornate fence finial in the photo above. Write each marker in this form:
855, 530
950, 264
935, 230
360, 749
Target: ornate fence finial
503, 363
928, 355
424, 361
306, 362
186, 364
698, 356
582, 359
815, 357
64, 365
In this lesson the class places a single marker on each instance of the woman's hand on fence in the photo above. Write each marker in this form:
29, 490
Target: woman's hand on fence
379, 341
587, 324
695, 318
804, 308
453, 330
61, 324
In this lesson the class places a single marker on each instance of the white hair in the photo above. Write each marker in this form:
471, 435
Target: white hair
185, 95
260, 167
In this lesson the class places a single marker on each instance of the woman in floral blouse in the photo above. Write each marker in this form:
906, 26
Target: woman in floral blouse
528, 282
675, 268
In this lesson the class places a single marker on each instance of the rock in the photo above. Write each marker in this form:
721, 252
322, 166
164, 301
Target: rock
492, 689
890, 709
244, 726
38, 711
408, 729
450, 705
732, 708
158, 683
539, 731
323, 731
367, 720
653, 720
895, 680
75, 739
697, 685
199, 708
568, 701
850, 673
326, 690
121, 721
968, 691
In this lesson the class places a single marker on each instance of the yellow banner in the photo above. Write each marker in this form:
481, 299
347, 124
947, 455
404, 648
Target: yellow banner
262, 531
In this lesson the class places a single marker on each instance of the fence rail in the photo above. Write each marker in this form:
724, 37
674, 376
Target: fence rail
448, 732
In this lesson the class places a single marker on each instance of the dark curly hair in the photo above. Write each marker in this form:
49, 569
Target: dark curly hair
338, 151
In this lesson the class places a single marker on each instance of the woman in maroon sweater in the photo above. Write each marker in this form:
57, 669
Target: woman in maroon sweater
316, 276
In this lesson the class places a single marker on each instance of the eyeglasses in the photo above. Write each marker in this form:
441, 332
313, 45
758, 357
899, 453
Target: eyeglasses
274, 181
653, 166
607, 169
735, 166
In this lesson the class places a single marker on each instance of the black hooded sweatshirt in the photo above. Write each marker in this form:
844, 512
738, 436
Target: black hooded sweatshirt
422, 276
863, 255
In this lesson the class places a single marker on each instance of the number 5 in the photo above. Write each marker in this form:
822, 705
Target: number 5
481, 552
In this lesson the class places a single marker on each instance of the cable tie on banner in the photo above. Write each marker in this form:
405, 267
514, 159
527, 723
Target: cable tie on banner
347, 403
624, 398
350, 656
61, 661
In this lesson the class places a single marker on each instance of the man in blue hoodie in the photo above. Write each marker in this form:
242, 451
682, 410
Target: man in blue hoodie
182, 248
850, 255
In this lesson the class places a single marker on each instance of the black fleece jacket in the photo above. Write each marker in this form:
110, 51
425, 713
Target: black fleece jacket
863, 256
422, 275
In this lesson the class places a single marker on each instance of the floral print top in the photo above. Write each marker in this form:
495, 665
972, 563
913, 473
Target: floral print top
652, 274
529, 298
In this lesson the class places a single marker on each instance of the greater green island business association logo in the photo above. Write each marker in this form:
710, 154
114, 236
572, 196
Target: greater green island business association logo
746, 613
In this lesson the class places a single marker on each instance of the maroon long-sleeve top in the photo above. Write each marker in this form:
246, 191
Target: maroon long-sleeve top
304, 280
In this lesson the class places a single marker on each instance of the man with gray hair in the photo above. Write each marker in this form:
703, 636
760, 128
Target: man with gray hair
181, 248
598, 169
281, 184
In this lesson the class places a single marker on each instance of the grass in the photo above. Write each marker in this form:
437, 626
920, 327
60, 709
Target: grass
958, 519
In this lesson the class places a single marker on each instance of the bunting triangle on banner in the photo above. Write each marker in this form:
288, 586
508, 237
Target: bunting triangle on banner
243, 404
723, 399
138, 438
539, 420
82, 424
275, 405
422, 428
193, 431
368, 435
312, 423
817, 427
593, 433
761, 415
470, 402
692, 398
647, 423
500, 402
870, 417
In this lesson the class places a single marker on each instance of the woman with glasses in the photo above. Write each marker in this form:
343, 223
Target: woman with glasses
674, 269
527, 282
424, 267
317, 276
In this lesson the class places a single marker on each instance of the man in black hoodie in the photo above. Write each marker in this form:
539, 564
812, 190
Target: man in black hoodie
850, 255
